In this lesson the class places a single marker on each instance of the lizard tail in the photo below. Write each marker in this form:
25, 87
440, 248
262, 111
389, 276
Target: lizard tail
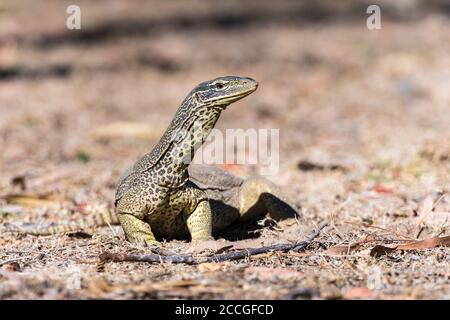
93, 220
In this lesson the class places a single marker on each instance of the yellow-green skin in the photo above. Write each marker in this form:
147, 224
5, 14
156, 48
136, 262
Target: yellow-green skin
158, 197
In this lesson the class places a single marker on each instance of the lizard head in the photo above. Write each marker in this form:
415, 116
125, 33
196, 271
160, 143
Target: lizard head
202, 107
223, 91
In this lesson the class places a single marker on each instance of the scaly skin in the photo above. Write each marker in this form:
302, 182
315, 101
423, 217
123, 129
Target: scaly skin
159, 198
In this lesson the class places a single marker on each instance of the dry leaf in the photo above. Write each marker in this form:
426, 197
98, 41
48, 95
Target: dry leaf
379, 250
426, 244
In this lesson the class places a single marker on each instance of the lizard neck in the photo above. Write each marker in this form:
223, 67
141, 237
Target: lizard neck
171, 168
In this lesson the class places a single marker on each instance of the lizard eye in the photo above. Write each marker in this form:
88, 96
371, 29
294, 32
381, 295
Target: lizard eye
219, 85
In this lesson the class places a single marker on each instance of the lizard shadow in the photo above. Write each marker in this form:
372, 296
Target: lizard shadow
265, 214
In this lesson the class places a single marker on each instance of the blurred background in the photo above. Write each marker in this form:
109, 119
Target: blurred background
363, 114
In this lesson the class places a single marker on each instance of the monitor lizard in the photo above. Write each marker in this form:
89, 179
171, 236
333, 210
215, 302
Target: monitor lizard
161, 196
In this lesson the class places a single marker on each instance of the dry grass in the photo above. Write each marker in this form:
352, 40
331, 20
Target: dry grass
369, 110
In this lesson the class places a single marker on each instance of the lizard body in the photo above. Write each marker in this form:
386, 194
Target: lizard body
158, 197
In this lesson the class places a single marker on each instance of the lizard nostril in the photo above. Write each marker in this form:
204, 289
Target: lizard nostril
250, 81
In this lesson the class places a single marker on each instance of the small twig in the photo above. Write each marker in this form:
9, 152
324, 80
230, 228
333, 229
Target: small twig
189, 259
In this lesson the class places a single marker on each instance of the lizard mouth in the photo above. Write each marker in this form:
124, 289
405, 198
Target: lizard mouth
226, 101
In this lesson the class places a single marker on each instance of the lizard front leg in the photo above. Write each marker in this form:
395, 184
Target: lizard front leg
131, 213
198, 210
136, 230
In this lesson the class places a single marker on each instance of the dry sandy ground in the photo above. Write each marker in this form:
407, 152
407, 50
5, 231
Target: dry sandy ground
364, 142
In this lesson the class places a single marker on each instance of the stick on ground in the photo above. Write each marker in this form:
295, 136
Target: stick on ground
189, 259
